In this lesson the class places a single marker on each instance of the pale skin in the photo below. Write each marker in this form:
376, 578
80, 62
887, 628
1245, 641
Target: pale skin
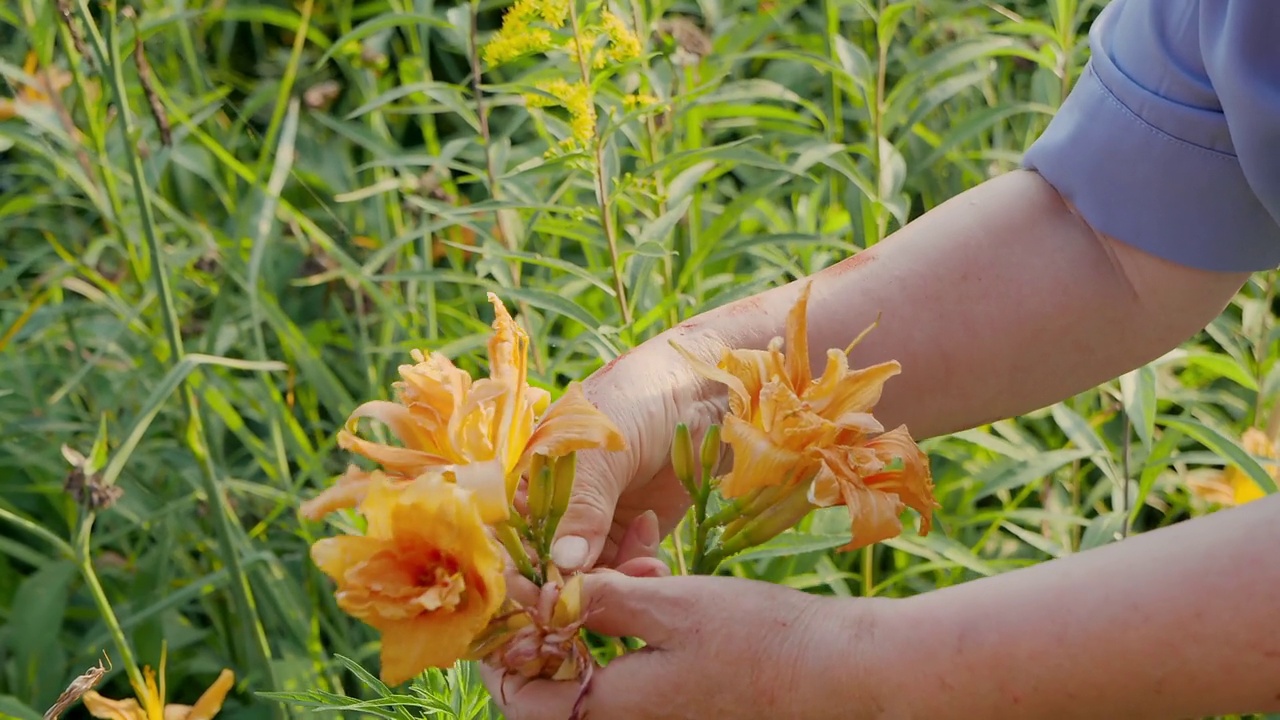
997, 303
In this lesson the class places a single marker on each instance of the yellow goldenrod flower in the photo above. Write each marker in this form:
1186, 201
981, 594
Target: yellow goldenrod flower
635, 101
426, 575
47, 83
574, 97
876, 481
152, 705
481, 434
624, 44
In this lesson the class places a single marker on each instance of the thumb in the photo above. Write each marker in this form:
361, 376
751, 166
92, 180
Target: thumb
582, 531
619, 605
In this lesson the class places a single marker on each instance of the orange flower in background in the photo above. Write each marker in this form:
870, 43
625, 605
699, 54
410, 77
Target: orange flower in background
426, 575
152, 705
48, 83
780, 416
876, 481
481, 434
1232, 486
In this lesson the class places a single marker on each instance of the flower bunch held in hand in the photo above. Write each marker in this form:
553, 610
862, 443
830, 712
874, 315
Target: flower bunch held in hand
445, 505
799, 443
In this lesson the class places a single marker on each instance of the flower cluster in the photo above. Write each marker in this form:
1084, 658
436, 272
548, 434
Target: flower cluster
441, 509
801, 443
534, 26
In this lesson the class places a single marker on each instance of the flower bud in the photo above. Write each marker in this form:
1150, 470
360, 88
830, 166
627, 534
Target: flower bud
682, 459
710, 451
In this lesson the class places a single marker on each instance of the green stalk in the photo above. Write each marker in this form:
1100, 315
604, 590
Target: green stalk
242, 593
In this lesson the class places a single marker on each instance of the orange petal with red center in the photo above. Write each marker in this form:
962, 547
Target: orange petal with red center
336, 555
758, 461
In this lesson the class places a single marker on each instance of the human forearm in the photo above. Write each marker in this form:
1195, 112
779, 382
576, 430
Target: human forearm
1178, 622
996, 303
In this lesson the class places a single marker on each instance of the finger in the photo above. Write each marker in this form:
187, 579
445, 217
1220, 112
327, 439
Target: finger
641, 539
644, 567
650, 608
581, 534
621, 691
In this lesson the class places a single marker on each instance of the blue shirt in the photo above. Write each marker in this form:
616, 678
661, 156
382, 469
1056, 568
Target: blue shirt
1170, 140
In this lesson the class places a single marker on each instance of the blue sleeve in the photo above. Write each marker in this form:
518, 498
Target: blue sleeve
1170, 140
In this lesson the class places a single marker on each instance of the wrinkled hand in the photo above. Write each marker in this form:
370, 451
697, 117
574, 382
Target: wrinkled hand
646, 393
716, 647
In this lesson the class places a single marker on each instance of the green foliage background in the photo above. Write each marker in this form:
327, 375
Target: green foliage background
198, 318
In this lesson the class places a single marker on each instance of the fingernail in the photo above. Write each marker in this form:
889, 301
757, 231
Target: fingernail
570, 552
647, 529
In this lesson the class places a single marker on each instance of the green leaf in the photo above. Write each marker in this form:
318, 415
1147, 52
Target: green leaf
1220, 444
1138, 392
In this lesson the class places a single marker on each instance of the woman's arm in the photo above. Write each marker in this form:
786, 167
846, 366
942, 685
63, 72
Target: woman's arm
998, 302
1177, 622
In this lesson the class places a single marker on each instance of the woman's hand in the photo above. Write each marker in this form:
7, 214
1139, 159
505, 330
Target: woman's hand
716, 647
646, 392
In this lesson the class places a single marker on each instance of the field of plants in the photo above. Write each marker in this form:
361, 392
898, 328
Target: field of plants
225, 223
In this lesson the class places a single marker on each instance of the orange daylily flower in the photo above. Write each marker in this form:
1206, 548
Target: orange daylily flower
153, 706
47, 83
876, 481
1232, 486
481, 434
780, 416
426, 575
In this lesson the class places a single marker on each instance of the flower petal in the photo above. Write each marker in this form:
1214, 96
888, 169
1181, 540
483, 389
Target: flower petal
101, 707
573, 424
873, 515
397, 460
840, 391
211, 701
797, 348
758, 461
335, 555
913, 481
411, 646
487, 483
346, 492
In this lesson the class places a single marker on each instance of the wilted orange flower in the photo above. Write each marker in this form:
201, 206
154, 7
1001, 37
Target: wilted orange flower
1232, 486
152, 705
481, 433
780, 416
426, 575
876, 481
